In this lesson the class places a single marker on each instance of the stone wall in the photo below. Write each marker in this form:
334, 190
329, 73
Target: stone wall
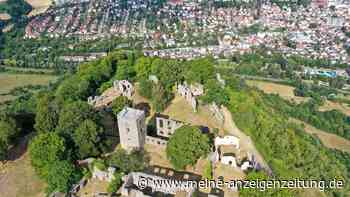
156, 141
190, 92
217, 113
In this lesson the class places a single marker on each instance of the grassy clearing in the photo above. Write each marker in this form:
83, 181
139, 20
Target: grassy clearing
181, 110
92, 187
19, 179
157, 156
328, 139
285, 91
11, 81
228, 173
17, 176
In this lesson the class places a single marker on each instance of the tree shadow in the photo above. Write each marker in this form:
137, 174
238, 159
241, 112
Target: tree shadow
144, 107
24, 121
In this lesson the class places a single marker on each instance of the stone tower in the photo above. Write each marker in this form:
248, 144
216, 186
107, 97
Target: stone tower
132, 129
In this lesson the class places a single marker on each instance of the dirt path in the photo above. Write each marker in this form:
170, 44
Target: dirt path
245, 141
328, 139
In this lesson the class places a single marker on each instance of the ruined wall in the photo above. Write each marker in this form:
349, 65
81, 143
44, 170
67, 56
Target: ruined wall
167, 127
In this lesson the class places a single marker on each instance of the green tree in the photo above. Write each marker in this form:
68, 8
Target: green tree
207, 173
145, 88
124, 70
135, 161
8, 131
87, 138
160, 98
168, 71
46, 118
72, 89
61, 176
215, 93
186, 146
45, 149
119, 103
199, 70
3, 150
337, 82
143, 67
72, 115
116, 183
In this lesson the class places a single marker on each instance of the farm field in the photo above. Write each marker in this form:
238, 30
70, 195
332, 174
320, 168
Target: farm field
39, 6
328, 139
11, 81
285, 91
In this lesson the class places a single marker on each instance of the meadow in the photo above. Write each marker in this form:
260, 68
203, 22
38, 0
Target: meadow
287, 92
284, 91
10, 81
